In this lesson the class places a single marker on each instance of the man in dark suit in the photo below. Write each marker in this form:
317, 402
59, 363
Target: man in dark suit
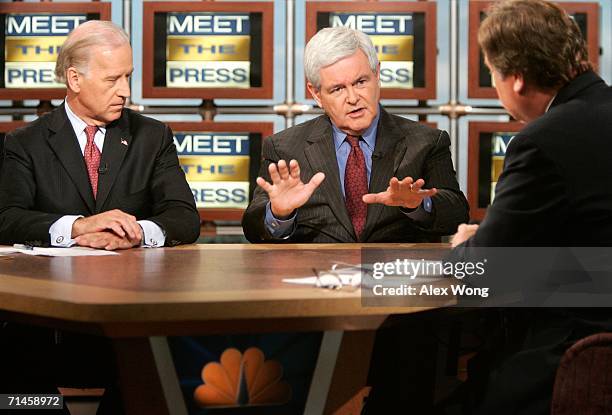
90, 173
358, 173
554, 190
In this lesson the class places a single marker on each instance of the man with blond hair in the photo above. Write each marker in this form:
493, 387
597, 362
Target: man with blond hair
90, 173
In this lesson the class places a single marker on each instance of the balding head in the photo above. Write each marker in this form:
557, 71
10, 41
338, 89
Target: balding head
76, 50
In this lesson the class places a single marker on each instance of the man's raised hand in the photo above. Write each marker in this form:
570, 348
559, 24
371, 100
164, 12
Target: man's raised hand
287, 192
404, 193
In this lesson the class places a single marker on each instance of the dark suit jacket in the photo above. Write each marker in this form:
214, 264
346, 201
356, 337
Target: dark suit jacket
403, 148
44, 177
555, 188
554, 191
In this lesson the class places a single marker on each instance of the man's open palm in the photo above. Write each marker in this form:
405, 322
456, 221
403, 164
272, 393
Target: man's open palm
287, 192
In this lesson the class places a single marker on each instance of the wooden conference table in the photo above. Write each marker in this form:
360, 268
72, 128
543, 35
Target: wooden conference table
195, 290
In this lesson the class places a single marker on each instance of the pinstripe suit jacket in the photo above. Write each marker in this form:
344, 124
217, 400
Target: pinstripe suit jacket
403, 148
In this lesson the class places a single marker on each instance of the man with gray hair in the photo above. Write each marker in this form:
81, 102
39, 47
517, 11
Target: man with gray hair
93, 173
90, 173
357, 173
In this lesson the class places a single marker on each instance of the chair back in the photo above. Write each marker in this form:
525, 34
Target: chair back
583, 384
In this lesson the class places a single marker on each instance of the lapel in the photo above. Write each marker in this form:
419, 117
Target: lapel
116, 144
388, 154
321, 156
64, 143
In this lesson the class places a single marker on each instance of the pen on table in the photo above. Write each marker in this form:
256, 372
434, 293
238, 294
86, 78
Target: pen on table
22, 246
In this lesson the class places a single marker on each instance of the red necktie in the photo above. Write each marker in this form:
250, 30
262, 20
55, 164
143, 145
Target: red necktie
355, 185
92, 158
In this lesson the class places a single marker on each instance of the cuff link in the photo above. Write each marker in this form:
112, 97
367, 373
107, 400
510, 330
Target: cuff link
427, 205
59, 239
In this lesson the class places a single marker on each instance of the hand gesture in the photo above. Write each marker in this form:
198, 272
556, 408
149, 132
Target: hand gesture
405, 193
287, 192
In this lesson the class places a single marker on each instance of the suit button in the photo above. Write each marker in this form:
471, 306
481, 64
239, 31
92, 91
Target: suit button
59, 240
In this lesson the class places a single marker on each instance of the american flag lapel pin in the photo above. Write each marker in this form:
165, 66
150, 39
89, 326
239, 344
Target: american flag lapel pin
124, 142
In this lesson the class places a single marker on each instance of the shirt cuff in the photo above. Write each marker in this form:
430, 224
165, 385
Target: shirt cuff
422, 214
278, 228
153, 236
60, 231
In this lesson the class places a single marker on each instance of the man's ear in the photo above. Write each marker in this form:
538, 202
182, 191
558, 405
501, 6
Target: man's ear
316, 93
73, 79
518, 84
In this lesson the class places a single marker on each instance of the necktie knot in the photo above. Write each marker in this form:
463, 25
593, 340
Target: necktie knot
90, 131
353, 140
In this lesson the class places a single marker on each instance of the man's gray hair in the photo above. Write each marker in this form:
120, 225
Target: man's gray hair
76, 50
330, 45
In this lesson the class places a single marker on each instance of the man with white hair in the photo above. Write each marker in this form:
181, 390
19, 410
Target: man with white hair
90, 173
357, 173
93, 173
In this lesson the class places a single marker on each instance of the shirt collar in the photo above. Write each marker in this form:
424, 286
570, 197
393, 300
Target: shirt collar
369, 136
78, 125
550, 103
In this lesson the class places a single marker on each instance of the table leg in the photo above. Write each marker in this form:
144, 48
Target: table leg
348, 384
139, 381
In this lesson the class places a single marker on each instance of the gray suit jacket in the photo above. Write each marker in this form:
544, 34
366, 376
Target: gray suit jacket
403, 148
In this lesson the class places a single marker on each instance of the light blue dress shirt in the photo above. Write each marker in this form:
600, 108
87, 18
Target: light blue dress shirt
283, 229
61, 230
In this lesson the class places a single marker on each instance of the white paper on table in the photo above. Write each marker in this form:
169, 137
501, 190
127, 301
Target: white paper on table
5, 250
60, 252
301, 281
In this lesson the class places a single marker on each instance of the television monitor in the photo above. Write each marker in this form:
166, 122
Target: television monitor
208, 50
221, 161
32, 34
403, 33
487, 144
480, 83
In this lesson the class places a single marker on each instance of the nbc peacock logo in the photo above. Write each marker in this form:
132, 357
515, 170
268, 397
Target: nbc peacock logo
242, 379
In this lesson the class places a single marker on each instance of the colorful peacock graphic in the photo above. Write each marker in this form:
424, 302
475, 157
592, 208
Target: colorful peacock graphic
242, 379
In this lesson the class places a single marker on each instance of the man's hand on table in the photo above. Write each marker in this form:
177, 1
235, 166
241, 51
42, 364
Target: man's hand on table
107, 240
120, 223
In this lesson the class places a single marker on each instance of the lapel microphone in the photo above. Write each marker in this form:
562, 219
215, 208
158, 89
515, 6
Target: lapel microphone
103, 168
